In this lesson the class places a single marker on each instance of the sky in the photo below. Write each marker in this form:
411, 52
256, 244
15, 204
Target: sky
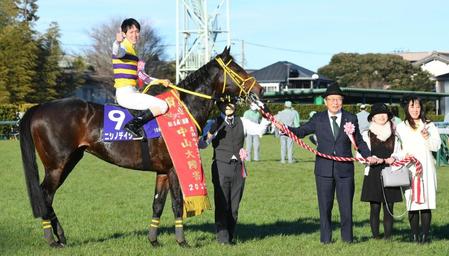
305, 32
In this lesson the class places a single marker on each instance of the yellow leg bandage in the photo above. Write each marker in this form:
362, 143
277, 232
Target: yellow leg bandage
155, 223
46, 224
178, 223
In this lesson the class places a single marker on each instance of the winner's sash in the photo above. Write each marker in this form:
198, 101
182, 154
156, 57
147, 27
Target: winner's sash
181, 138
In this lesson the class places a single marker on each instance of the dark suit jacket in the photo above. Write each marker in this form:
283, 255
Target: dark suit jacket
320, 125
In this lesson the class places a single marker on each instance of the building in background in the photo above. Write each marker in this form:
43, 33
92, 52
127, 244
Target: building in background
284, 80
437, 64
284, 76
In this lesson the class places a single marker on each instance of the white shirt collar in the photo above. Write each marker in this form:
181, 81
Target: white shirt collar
338, 115
225, 118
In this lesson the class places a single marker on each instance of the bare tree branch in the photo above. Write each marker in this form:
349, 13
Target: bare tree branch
150, 48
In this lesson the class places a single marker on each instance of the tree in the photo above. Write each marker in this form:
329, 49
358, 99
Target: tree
166, 70
4, 93
72, 77
27, 10
380, 71
8, 12
58, 75
150, 49
17, 49
17, 62
48, 70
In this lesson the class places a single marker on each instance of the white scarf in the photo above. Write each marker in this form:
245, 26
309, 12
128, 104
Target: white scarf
382, 132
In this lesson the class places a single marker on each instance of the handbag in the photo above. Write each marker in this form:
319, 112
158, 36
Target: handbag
395, 178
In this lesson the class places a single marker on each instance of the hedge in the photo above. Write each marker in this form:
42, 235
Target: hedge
305, 109
9, 112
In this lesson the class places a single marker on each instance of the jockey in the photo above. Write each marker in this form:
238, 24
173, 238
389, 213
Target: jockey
125, 64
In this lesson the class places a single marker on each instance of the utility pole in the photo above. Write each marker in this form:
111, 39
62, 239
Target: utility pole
243, 54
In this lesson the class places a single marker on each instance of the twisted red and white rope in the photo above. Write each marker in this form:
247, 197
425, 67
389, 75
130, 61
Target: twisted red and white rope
416, 184
301, 143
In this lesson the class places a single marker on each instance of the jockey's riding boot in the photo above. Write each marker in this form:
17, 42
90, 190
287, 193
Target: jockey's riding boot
135, 125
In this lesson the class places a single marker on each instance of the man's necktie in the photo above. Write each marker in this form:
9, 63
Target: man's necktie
335, 126
230, 120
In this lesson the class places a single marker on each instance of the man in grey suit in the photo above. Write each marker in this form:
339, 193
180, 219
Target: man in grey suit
333, 176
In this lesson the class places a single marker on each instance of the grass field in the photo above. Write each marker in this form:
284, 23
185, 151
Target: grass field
105, 210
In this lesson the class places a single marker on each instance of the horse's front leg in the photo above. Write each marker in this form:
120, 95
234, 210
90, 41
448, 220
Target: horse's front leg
177, 206
160, 195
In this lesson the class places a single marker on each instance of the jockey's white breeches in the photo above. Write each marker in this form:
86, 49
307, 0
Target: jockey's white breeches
129, 97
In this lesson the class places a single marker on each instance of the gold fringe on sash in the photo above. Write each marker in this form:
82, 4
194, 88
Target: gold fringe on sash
195, 205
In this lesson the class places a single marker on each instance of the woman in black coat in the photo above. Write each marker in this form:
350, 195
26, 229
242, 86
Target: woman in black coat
383, 143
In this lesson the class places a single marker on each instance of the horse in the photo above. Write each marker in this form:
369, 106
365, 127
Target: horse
61, 145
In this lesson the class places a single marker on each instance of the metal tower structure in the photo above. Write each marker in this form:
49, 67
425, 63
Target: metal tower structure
198, 26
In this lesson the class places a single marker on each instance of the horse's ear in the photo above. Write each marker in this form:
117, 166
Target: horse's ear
229, 51
226, 51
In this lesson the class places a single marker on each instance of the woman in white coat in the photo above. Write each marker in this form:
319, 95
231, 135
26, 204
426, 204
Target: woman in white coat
419, 138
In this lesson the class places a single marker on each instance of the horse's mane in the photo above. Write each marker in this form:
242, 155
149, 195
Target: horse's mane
201, 75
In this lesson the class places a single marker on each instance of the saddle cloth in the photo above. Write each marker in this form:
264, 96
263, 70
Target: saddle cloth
115, 118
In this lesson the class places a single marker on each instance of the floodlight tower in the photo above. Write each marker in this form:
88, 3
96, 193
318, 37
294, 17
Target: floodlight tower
197, 31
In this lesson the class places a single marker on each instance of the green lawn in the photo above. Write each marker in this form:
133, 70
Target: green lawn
105, 210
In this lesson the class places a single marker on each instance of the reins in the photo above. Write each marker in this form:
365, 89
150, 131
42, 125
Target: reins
201, 95
235, 77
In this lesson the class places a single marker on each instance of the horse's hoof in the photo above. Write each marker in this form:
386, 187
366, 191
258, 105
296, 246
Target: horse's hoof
62, 241
183, 244
56, 245
155, 243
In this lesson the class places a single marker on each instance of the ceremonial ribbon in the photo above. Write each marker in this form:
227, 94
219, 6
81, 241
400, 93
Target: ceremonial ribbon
243, 156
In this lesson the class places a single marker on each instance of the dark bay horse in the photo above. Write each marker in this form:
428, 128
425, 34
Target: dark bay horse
62, 130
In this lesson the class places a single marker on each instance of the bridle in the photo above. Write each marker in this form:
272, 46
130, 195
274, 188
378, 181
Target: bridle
236, 78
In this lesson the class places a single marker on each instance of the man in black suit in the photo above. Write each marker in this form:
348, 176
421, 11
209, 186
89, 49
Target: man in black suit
333, 176
228, 173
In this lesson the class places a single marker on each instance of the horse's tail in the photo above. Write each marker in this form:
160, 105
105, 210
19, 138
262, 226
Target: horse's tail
27, 147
